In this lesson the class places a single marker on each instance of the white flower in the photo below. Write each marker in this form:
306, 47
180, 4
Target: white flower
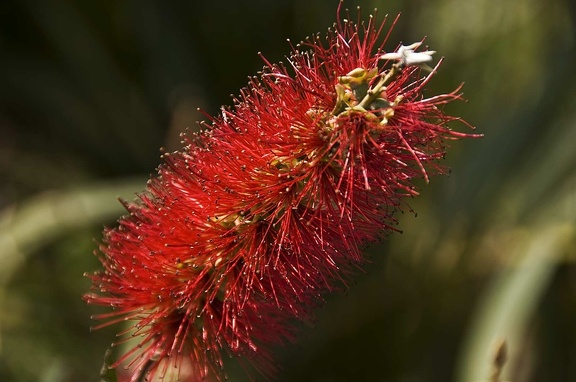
406, 55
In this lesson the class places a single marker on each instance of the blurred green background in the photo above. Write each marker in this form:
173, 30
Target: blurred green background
90, 90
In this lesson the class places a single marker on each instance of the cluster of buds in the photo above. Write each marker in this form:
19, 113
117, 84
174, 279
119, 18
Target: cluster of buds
265, 210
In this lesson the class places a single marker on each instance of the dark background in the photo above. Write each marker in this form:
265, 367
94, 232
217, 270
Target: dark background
90, 90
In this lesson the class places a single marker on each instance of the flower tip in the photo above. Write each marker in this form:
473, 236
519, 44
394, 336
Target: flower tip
406, 55
412, 46
390, 56
418, 58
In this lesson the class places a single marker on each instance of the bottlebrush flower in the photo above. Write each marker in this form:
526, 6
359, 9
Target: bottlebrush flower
267, 208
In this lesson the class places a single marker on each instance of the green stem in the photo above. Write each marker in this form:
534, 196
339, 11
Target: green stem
375, 92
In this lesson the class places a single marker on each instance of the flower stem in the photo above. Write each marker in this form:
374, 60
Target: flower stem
144, 371
374, 92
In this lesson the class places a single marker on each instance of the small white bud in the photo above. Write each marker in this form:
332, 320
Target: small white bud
406, 55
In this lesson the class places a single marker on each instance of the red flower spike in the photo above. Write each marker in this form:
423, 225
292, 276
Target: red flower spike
256, 217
